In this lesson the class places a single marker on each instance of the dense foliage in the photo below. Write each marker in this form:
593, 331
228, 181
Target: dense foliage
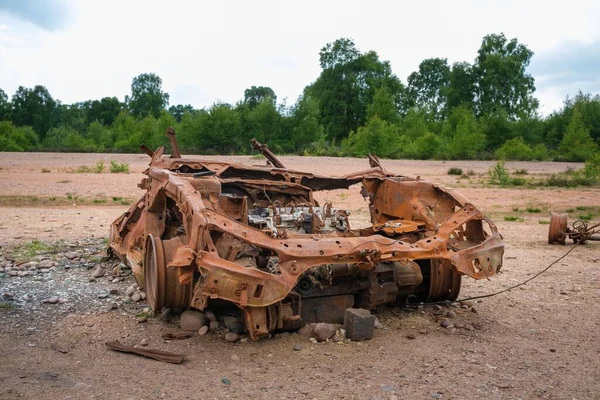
357, 105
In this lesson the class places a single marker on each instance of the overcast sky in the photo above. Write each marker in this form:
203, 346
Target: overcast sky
211, 51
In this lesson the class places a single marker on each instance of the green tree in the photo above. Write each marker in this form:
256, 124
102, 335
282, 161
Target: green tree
34, 107
306, 128
383, 106
515, 149
179, 111
464, 136
257, 94
104, 110
147, 97
428, 87
346, 86
577, 144
376, 137
461, 89
4, 106
502, 82
220, 129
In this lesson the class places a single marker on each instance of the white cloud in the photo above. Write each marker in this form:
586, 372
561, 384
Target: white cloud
205, 51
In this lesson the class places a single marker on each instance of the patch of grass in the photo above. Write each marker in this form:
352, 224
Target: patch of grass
470, 172
53, 198
26, 251
570, 210
99, 168
45, 171
7, 306
581, 208
343, 196
521, 172
512, 218
116, 168
99, 201
534, 210
543, 222
125, 202
35, 198
258, 156
117, 198
455, 171
69, 196
586, 217
83, 169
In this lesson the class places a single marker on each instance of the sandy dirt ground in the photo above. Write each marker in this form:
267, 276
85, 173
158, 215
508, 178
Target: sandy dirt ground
540, 341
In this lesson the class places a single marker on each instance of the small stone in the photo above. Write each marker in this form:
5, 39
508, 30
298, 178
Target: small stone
80, 386
112, 306
297, 347
451, 314
411, 336
323, 331
423, 331
234, 325
166, 314
137, 297
203, 331
244, 340
143, 295
474, 310
92, 279
231, 337
214, 325
210, 315
438, 307
553, 350
313, 340
476, 326
235, 358
335, 339
52, 300
459, 325
467, 303
13, 272
469, 327
114, 292
305, 331
342, 333
103, 295
378, 324
98, 272
130, 290
72, 255
144, 342
191, 320
22, 273
445, 323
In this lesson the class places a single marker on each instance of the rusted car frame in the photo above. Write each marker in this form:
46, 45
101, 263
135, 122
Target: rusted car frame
254, 237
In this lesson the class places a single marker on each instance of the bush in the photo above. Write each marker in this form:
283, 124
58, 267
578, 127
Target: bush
99, 168
455, 171
499, 175
515, 149
116, 168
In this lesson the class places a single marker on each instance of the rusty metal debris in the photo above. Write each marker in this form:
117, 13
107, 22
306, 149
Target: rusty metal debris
213, 233
580, 232
159, 355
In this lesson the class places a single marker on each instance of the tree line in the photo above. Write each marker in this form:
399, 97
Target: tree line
480, 110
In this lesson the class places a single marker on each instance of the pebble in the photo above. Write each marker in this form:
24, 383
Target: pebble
313, 340
474, 310
143, 295
476, 326
451, 314
459, 325
445, 323
13, 272
166, 314
297, 347
137, 297
191, 320
103, 295
378, 324
203, 331
98, 272
411, 336
235, 358
305, 331
423, 331
52, 300
234, 325
114, 291
144, 342
214, 324
72, 255
323, 331
112, 306
22, 273
342, 333
210, 316
130, 290
231, 337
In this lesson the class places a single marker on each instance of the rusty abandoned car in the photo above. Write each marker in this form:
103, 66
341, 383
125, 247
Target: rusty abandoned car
253, 237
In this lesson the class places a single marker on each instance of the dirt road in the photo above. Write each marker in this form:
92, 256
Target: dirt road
540, 341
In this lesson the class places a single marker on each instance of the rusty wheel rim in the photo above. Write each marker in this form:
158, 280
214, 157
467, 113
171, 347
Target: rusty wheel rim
558, 228
154, 273
444, 282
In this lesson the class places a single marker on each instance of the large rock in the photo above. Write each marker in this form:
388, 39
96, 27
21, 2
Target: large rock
323, 331
192, 320
359, 324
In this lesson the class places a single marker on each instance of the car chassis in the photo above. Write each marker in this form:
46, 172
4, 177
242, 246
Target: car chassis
209, 232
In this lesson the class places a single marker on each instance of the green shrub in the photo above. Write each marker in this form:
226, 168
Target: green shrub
521, 172
515, 149
535, 210
543, 222
499, 175
99, 168
586, 217
512, 219
116, 168
455, 171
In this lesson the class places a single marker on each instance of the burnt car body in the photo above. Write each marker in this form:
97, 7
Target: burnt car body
209, 232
